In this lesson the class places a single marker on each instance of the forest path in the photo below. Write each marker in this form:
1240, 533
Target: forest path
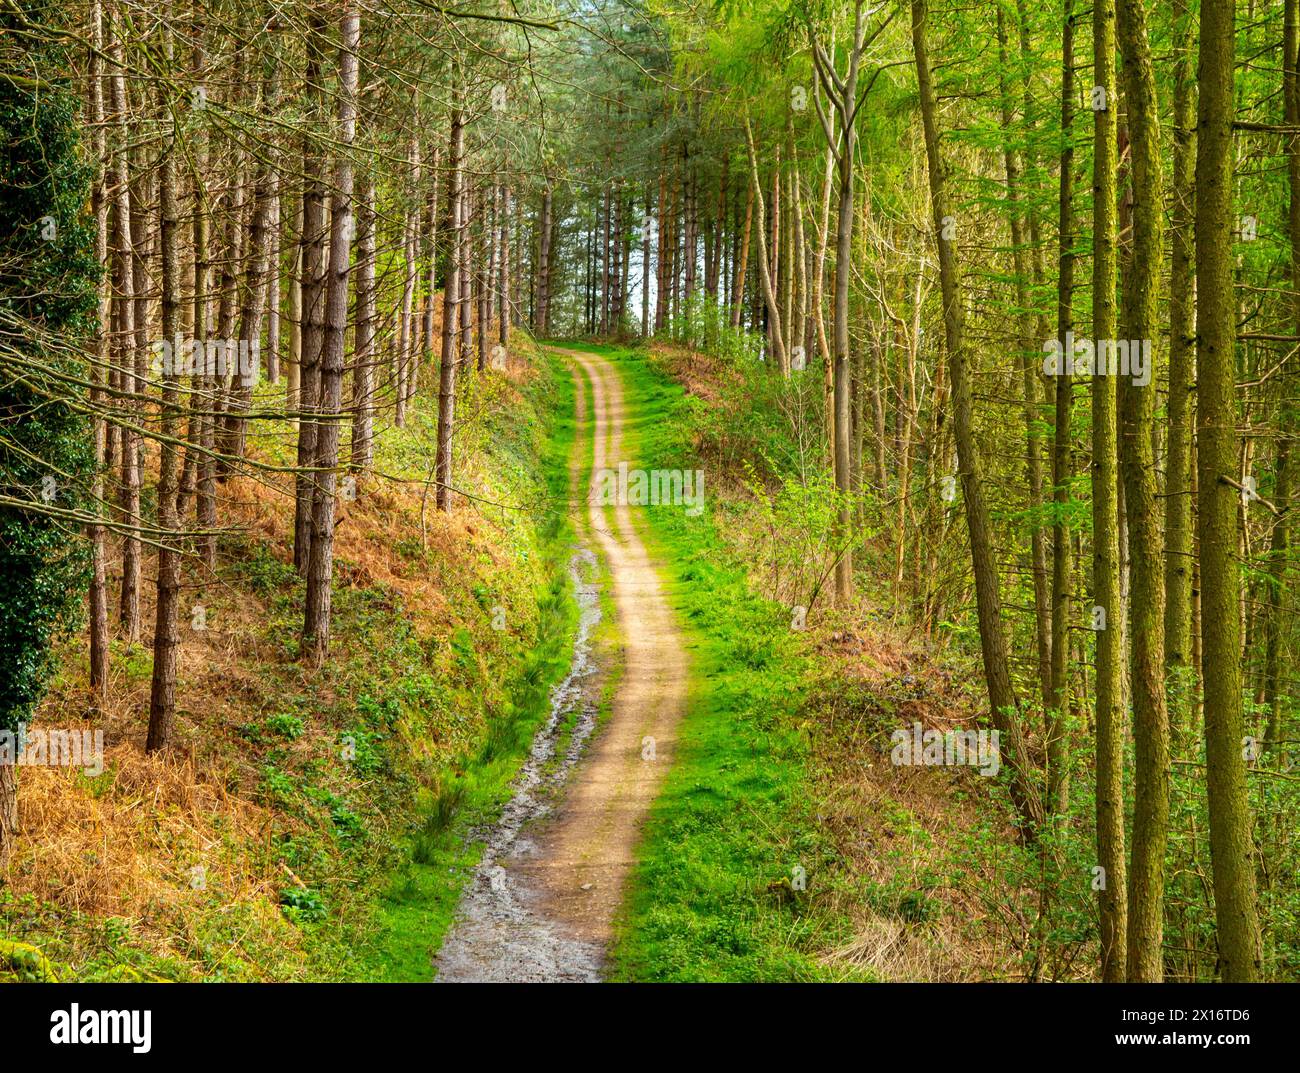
542, 903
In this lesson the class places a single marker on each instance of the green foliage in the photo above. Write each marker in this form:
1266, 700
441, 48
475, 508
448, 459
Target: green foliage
303, 904
799, 523
47, 304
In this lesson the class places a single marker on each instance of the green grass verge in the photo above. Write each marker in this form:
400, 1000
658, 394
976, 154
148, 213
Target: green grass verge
715, 895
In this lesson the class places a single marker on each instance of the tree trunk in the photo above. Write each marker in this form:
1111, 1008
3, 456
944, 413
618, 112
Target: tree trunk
1029, 377
1004, 708
1059, 705
605, 258
469, 208
260, 244
8, 811
166, 638
315, 229
544, 265
406, 345
1288, 418
742, 265
1141, 498
98, 612
123, 345
293, 383
447, 370
363, 357
1182, 328
1231, 848
1112, 893
504, 312
320, 570
662, 255
775, 338
273, 288
844, 99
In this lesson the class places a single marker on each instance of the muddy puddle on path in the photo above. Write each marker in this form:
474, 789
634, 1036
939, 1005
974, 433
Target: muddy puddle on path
502, 931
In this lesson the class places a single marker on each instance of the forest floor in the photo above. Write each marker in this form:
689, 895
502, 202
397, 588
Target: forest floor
543, 900
309, 824
377, 820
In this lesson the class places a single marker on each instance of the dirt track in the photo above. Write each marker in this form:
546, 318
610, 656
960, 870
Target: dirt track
542, 902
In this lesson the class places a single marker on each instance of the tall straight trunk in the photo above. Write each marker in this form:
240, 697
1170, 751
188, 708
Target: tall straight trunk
487, 305
844, 99
273, 287
727, 282
518, 277
142, 238
544, 263
878, 411
406, 345
504, 311
776, 324
415, 315
788, 251
320, 569
1141, 497
798, 321
166, 638
451, 294
234, 433
534, 252
98, 611
690, 225
907, 423
1004, 708
714, 273
605, 259
589, 284
470, 209
1231, 848
217, 381
645, 264
819, 258
775, 338
293, 379
1029, 376
1028, 63
315, 230
1288, 416
742, 264
482, 275
1058, 708
1182, 331
1112, 893
616, 259
418, 344
662, 256
363, 348
401, 365
708, 237
431, 275
675, 252
626, 262
200, 236
124, 345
